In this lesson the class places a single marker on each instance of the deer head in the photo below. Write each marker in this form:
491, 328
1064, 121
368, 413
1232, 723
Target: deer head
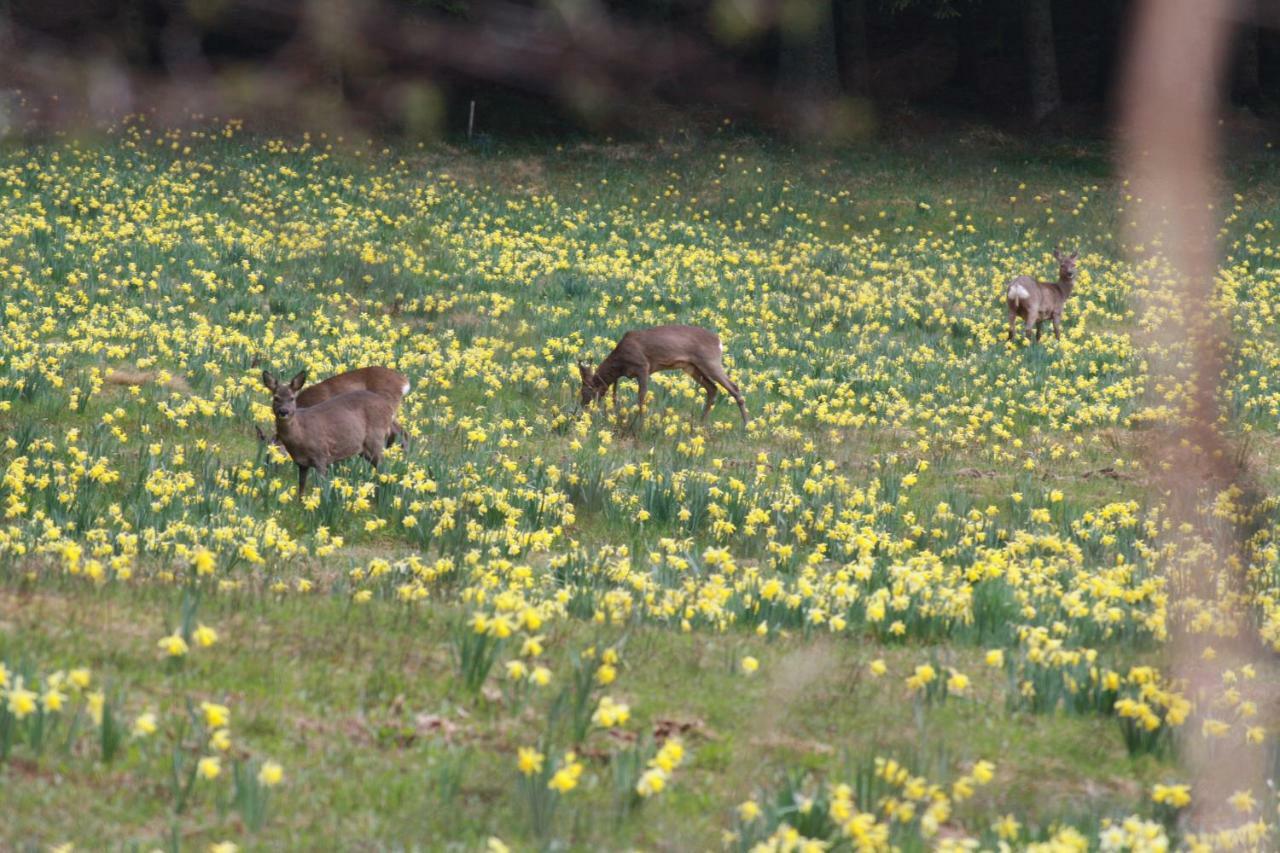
591, 386
283, 396
1066, 264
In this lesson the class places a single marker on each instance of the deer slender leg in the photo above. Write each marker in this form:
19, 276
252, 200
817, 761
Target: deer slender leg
1013, 324
375, 459
711, 392
1026, 328
302, 480
716, 372
1039, 323
742, 405
643, 381
397, 433
1057, 327
613, 389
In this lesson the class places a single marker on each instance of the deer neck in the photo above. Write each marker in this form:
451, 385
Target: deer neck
287, 429
1066, 283
608, 372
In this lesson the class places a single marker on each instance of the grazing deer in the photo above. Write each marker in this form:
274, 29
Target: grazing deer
379, 380
1037, 301
357, 422
642, 352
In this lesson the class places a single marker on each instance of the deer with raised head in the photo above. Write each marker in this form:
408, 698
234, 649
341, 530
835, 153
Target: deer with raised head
357, 422
643, 352
1036, 301
380, 380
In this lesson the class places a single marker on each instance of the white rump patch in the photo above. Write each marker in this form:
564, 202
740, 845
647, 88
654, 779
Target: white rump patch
406, 388
721, 345
1017, 291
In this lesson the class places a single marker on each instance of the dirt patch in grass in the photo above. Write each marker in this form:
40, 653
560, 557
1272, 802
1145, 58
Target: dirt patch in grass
466, 324
133, 377
528, 173
616, 153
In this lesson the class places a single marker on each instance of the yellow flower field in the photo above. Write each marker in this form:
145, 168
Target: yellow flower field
923, 601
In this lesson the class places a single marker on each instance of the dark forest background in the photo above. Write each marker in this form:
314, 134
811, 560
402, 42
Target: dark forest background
836, 67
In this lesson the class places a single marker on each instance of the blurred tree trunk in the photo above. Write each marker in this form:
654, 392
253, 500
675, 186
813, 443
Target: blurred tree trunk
1042, 60
851, 21
965, 28
134, 40
807, 64
1248, 86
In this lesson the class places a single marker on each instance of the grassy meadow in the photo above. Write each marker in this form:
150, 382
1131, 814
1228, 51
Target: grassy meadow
921, 602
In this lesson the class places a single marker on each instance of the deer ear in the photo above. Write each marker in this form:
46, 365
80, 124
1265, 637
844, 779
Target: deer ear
1075, 255
584, 371
1057, 254
296, 383
269, 381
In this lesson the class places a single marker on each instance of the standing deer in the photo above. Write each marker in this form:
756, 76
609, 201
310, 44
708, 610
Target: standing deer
1037, 301
642, 352
379, 380
357, 422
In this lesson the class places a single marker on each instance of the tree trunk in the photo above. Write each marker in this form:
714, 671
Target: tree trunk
1248, 85
807, 65
1042, 61
851, 22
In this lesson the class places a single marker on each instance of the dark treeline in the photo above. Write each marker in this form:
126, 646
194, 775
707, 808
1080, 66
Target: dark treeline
555, 65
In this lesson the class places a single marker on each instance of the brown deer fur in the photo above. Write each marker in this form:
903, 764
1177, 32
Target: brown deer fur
380, 380
357, 422
642, 352
1036, 301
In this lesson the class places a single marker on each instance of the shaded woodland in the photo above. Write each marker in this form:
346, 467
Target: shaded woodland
835, 66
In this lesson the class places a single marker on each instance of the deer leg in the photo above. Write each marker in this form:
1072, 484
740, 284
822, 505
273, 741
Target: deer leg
716, 372
303, 470
1013, 324
371, 450
741, 401
643, 381
1057, 327
711, 392
397, 433
1039, 323
617, 414
1026, 328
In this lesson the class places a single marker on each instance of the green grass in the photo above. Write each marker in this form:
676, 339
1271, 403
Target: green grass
358, 706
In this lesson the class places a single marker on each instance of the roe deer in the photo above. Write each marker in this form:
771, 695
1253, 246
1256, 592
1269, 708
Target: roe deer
380, 380
642, 352
357, 422
1036, 301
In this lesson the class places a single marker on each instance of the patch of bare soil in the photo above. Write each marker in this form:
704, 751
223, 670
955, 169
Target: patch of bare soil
132, 376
